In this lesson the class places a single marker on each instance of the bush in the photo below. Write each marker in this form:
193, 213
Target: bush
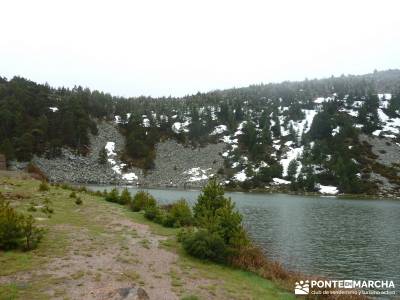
112, 196
44, 187
32, 235
78, 201
142, 201
72, 195
179, 215
216, 213
221, 236
153, 213
205, 245
32, 207
125, 197
47, 209
16, 230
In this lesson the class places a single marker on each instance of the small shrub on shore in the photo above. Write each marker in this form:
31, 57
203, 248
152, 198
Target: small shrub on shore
179, 215
72, 195
125, 197
112, 196
44, 187
78, 201
153, 213
204, 244
17, 230
142, 201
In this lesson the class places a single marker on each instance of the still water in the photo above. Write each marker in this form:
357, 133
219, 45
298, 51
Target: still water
327, 236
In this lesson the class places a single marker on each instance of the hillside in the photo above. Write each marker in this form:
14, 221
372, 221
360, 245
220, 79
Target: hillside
99, 250
334, 135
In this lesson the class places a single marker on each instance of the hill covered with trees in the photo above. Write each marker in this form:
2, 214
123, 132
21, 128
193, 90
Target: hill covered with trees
338, 134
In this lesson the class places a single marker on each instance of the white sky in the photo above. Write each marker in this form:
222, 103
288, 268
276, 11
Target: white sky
172, 47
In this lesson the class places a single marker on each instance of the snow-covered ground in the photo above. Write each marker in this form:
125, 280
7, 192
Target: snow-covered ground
197, 174
278, 181
110, 147
327, 189
118, 167
240, 176
179, 127
390, 126
293, 153
219, 129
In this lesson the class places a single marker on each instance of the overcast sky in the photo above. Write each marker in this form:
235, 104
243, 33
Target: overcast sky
171, 47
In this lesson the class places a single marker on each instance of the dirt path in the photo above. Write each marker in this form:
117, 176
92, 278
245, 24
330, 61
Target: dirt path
96, 269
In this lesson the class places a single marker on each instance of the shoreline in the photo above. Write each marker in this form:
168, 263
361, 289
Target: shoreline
253, 191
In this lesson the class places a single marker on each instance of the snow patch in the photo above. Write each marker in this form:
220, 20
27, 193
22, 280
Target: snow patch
179, 127
335, 131
277, 181
327, 189
239, 129
130, 176
219, 129
240, 176
197, 174
146, 122
390, 125
110, 148
293, 153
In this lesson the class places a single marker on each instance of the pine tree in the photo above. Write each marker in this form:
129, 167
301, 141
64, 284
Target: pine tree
102, 156
292, 170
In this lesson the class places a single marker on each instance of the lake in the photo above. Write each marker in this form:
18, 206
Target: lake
333, 237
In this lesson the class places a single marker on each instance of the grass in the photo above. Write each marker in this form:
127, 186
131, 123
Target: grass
93, 217
8, 291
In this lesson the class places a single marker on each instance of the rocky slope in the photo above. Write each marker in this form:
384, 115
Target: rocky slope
86, 169
175, 164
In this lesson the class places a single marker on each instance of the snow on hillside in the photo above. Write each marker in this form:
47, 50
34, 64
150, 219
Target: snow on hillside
240, 176
146, 121
179, 127
219, 129
110, 147
390, 126
293, 153
278, 181
197, 174
118, 167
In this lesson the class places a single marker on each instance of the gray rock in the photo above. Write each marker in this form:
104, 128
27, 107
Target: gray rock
173, 161
131, 293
